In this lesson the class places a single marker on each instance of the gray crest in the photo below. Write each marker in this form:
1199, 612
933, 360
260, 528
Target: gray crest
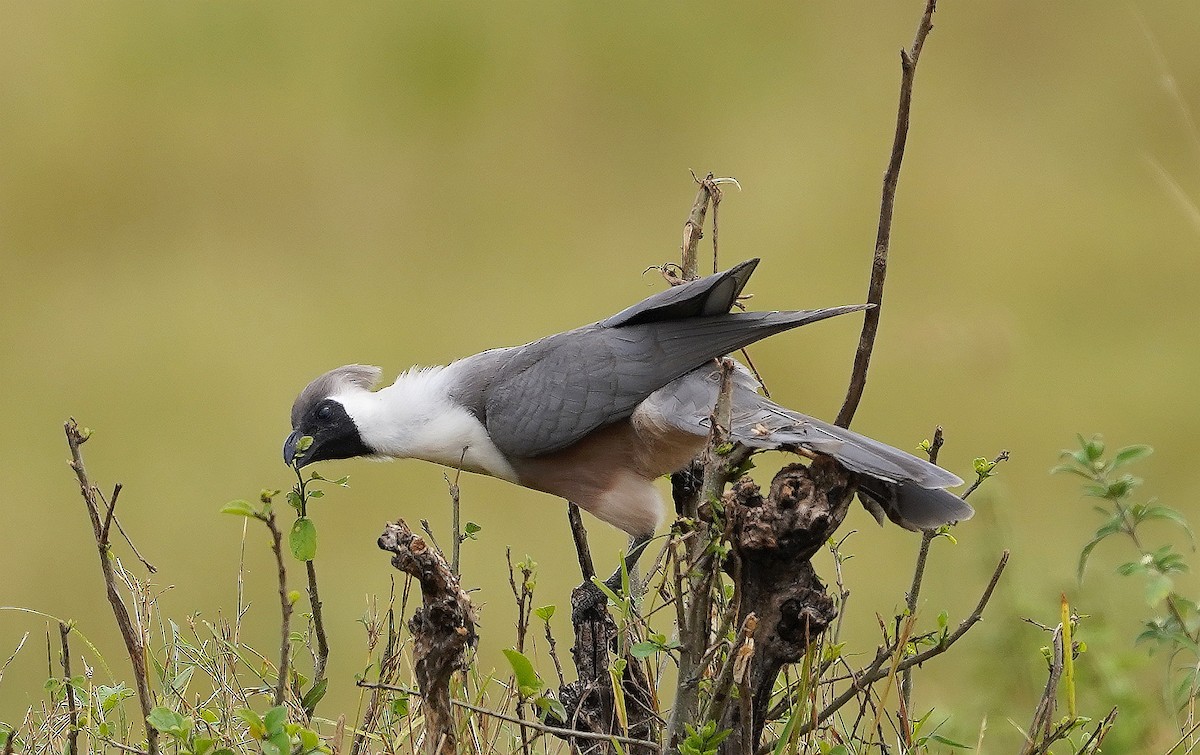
352, 375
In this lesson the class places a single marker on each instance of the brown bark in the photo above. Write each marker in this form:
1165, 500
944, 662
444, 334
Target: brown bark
773, 539
589, 701
443, 630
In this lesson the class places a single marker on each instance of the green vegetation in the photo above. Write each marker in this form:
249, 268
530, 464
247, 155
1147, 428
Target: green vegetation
213, 694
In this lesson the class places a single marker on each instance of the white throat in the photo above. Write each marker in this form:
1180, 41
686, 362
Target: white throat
415, 418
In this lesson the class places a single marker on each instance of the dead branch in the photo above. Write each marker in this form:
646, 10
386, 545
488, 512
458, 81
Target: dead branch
589, 701
883, 235
774, 539
443, 630
134, 645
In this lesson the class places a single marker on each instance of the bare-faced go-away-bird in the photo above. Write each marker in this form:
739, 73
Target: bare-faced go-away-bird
595, 415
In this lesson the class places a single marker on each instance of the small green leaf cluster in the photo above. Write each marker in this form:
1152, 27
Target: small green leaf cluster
1177, 627
275, 735
278, 737
532, 687
703, 740
655, 643
922, 741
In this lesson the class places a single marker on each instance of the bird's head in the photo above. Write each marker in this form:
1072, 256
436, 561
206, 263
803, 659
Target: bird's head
322, 412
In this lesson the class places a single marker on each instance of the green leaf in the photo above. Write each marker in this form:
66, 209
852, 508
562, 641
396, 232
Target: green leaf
314, 695
274, 719
950, 742
309, 740
1130, 454
400, 706
528, 681
239, 508
200, 745
544, 613
303, 444
303, 539
278, 744
644, 649
293, 499
168, 721
1158, 587
253, 722
1164, 512
553, 711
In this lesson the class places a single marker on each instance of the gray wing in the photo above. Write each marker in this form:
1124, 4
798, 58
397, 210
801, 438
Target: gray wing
551, 393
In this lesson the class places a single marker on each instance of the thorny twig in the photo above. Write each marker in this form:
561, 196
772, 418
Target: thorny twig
891, 179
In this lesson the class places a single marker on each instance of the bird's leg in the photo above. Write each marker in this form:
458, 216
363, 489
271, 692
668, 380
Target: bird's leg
637, 546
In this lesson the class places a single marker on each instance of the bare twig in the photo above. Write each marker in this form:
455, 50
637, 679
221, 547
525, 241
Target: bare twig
314, 602
285, 609
455, 523
134, 645
695, 630
914, 591
891, 179
579, 535
535, 725
1179, 743
118, 745
874, 672
73, 730
693, 227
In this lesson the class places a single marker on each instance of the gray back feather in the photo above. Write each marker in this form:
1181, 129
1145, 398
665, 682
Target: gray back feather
334, 381
550, 394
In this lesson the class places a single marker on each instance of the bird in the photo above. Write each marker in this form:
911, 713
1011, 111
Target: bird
596, 414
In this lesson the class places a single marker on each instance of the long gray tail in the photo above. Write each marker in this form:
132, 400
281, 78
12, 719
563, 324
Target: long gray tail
907, 489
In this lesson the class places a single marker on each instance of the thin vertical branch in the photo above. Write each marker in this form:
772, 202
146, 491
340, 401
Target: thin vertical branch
455, 520
314, 602
73, 731
696, 629
285, 609
586, 567
321, 657
693, 227
134, 645
914, 591
891, 179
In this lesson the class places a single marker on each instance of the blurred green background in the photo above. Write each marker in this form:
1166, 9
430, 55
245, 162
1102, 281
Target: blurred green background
203, 205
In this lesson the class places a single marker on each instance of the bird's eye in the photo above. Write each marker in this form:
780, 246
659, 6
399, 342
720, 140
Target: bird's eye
325, 413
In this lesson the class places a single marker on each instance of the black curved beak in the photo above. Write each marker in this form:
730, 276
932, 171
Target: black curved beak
289, 450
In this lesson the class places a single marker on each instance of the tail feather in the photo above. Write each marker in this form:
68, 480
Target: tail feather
907, 488
912, 506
